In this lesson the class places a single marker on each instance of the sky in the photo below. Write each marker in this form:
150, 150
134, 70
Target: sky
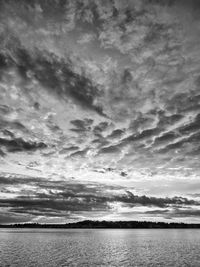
99, 110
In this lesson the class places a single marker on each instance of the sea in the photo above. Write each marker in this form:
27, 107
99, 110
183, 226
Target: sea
99, 247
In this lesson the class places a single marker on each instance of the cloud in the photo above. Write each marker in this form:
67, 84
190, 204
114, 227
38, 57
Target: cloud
65, 199
8, 218
116, 134
86, 38
176, 213
191, 127
57, 75
102, 92
166, 137
109, 149
82, 125
159, 202
69, 149
54, 198
20, 145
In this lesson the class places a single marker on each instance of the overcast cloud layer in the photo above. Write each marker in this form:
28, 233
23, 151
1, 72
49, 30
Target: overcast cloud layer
99, 110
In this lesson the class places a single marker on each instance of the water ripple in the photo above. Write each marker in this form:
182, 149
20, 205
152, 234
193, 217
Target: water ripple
52, 248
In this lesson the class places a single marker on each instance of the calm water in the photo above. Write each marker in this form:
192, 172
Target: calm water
33, 247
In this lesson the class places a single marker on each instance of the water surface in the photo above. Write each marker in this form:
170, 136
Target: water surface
91, 247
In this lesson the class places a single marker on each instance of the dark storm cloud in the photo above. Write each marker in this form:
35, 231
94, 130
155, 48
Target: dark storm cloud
166, 137
109, 149
47, 203
192, 139
82, 125
186, 213
116, 134
8, 139
123, 174
143, 136
18, 144
14, 179
102, 126
8, 127
191, 127
58, 198
71, 200
172, 146
8, 218
159, 202
56, 75
175, 213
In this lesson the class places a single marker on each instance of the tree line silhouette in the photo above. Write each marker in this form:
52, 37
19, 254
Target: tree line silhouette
105, 224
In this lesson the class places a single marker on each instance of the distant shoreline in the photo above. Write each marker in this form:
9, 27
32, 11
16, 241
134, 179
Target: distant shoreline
87, 224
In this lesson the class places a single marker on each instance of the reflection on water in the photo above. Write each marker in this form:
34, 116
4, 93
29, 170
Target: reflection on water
73, 247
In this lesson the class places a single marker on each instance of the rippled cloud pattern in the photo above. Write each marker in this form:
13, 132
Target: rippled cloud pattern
99, 110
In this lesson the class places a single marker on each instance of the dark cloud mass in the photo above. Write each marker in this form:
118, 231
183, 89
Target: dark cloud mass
61, 198
99, 110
